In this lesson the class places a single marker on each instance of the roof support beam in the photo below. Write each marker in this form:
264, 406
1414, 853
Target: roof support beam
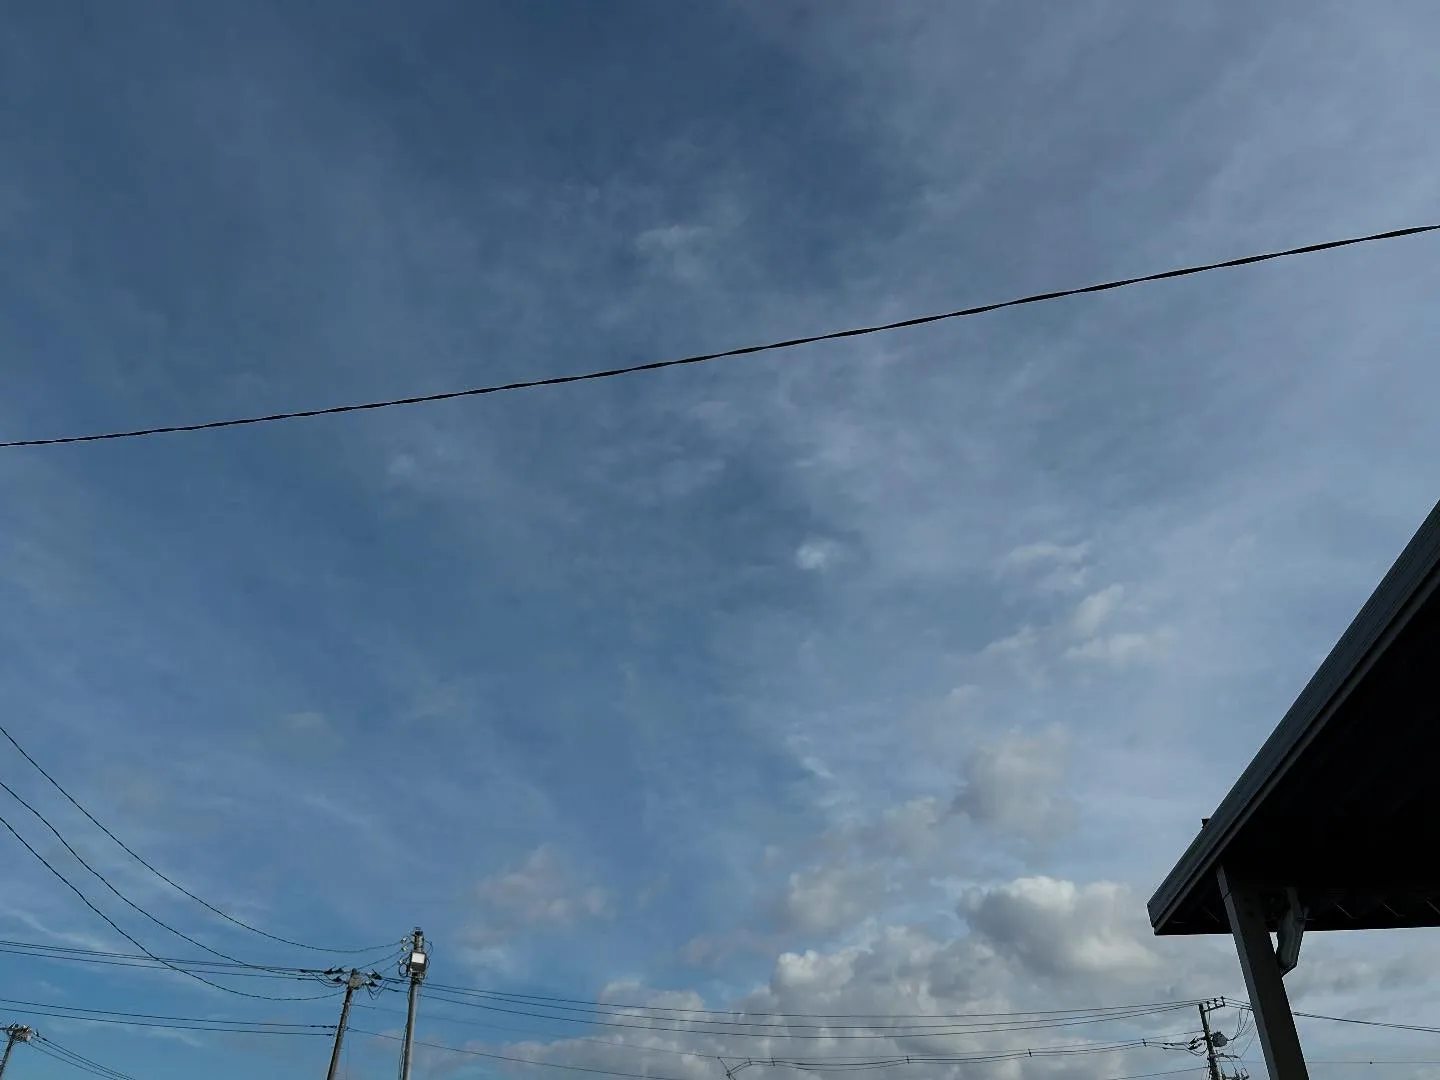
1263, 979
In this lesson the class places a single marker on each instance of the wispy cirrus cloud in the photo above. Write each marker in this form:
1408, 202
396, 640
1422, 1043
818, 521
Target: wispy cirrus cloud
832, 640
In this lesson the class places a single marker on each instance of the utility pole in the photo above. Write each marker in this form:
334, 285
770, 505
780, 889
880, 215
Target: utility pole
414, 965
13, 1034
1205, 1007
354, 981
1214, 1040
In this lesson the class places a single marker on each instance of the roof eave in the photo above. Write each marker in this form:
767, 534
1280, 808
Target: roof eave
1407, 584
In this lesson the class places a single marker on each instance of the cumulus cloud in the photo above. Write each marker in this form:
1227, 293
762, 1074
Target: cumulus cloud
866, 868
1056, 929
539, 893
858, 869
823, 899
1030, 940
1029, 943
1016, 784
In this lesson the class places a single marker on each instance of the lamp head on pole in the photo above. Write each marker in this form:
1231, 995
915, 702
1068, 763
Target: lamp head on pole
417, 961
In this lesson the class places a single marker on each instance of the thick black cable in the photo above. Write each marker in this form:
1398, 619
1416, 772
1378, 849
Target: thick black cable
162, 876
116, 927
749, 350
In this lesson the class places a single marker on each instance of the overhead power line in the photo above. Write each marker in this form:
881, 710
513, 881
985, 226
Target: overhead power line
123, 898
827, 1065
584, 1005
1260, 1063
485, 1025
133, 941
648, 1048
803, 1064
165, 878
515, 1060
167, 1025
187, 1023
50, 1048
1348, 1020
143, 960
773, 1030
748, 350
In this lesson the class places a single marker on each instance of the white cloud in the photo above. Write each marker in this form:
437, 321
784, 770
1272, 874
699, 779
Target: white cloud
1033, 943
1030, 943
818, 554
1086, 635
1010, 791
1121, 649
671, 238
539, 893
824, 899
1058, 929
858, 869
1017, 784
1048, 567
1022, 655
1171, 426
1044, 553
1096, 609
308, 723
677, 250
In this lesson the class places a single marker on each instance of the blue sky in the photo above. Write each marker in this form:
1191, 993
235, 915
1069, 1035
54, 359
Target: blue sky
881, 676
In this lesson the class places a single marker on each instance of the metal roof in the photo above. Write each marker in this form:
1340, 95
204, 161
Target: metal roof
1337, 804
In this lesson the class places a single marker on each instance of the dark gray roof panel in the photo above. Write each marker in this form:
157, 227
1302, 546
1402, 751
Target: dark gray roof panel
1375, 730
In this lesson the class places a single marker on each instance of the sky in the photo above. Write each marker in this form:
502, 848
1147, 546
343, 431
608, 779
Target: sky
886, 676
